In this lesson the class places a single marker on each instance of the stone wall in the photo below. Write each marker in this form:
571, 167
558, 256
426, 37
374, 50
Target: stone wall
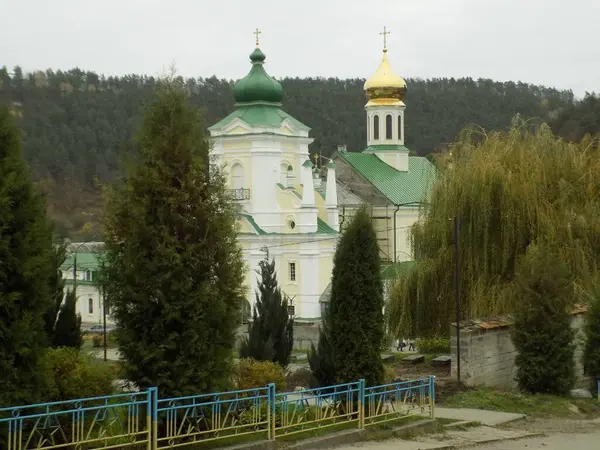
303, 335
487, 353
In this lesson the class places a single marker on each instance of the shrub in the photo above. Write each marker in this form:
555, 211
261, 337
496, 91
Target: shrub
71, 374
433, 346
67, 331
254, 374
97, 340
300, 378
389, 374
542, 334
591, 352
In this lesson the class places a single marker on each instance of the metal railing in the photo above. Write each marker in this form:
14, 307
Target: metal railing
239, 194
142, 420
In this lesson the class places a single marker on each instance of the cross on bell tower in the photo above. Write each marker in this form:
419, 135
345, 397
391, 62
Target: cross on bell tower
385, 35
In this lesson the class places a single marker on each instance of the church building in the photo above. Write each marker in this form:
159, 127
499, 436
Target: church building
384, 175
283, 208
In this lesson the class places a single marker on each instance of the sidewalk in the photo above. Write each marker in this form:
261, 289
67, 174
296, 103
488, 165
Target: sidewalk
489, 418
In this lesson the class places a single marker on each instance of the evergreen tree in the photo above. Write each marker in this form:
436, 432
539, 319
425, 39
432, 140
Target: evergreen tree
542, 331
173, 271
26, 267
58, 284
321, 359
67, 332
591, 350
356, 305
271, 333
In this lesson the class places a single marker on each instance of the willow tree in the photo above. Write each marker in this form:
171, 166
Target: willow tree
509, 189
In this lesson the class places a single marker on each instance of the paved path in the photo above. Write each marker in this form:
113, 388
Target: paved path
490, 418
578, 441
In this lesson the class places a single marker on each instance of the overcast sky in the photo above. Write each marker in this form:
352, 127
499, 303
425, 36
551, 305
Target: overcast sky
550, 42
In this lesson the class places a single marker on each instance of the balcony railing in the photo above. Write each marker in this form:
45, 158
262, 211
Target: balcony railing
239, 194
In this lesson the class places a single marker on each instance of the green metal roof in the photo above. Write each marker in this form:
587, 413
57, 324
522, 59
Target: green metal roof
322, 227
85, 261
386, 148
400, 188
259, 114
257, 86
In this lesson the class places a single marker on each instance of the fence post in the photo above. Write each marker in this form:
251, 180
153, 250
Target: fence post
432, 396
361, 403
271, 411
152, 418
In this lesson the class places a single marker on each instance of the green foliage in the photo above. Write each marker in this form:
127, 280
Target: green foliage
71, 374
67, 332
97, 340
433, 346
271, 333
577, 119
58, 284
26, 270
78, 122
509, 189
591, 351
321, 359
542, 332
173, 271
251, 373
356, 305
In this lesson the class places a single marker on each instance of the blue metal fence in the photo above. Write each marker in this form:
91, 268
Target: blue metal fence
142, 420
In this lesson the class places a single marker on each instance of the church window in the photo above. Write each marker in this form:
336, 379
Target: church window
292, 224
88, 275
388, 126
90, 305
375, 127
399, 127
237, 177
292, 271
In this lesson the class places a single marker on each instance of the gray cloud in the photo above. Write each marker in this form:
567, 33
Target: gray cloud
547, 42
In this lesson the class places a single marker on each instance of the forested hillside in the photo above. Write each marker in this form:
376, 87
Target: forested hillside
78, 124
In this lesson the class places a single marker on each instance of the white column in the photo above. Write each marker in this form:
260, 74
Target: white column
309, 281
333, 217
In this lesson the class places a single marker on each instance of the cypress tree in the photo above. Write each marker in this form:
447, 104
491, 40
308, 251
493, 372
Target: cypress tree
173, 271
271, 333
57, 284
26, 268
356, 305
321, 358
67, 332
591, 350
542, 331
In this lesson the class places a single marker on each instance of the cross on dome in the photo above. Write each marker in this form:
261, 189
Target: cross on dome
257, 33
385, 35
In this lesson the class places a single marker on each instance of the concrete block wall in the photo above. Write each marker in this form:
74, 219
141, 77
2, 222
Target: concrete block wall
487, 355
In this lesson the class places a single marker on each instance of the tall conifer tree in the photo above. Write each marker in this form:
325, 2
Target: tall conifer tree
356, 305
26, 269
173, 270
67, 331
271, 333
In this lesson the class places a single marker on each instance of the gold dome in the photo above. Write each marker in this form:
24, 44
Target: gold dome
385, 84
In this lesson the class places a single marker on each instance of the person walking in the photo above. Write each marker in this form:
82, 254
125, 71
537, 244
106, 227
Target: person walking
411, 345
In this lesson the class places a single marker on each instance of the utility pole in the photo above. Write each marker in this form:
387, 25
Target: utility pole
102, 290
457, 293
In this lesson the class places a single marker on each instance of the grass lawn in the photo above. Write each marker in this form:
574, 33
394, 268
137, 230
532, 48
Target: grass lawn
539, 405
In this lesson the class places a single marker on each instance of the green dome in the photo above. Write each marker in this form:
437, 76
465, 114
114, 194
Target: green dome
257, 86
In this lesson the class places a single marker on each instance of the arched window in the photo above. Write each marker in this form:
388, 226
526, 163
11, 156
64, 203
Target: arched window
400, 127
90, 305
388, 126
237, 177
368, 130
375, 127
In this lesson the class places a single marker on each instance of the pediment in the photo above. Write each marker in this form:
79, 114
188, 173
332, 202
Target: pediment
237, 126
